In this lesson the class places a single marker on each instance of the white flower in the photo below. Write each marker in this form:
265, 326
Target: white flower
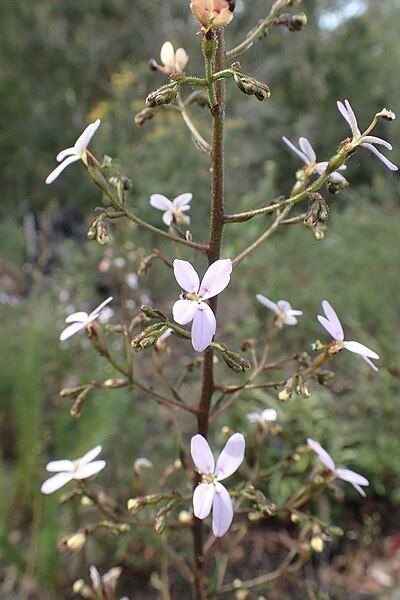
67, 470
283, 310
77, 152
363, 139
80, 320
307, 154
174, 62
266, 416
173, 211
334, 327
355, 479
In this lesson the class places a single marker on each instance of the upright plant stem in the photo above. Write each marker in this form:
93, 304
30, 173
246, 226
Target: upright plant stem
216, 232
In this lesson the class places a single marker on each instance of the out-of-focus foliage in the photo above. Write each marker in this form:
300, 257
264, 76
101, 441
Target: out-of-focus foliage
65, 63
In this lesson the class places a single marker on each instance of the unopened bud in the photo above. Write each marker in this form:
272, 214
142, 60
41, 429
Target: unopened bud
86, 501
71, 391
152, 313
76, 542
285, 395
236, 362
325, 376
317, 543
153, 64
319, 233
386, 114
297, 22
144, 115
76, 408
252, 87
164, 95
185, 517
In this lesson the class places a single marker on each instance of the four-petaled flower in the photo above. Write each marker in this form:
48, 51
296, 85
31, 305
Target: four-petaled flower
191, 306
80, 320
77, 152
213, 14
355, 479
285, 314
174, 62
67, 470
174, 212
307, 154
333, 326
210, 493
363, 139
268, 415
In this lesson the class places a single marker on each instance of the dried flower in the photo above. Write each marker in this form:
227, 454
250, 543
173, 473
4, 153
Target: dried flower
174, 62
363, 139
307, 154
333, 326
284, 312
80, 320
67, 470
211, 493
191, 306
355, 479
174, 212
213, 14
75, 153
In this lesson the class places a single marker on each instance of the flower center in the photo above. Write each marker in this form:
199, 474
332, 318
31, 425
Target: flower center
210, 478
193, 297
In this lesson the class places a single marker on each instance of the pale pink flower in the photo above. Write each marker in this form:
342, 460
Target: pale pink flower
173, 211
213, 14
283, 310
174, 62
75, 153
367, 141
80, 320
334, 327
191, 306
355, 479
210, 493
67, 470
269, 415
307, 154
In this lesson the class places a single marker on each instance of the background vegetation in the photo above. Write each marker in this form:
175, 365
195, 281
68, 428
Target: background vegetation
65, 63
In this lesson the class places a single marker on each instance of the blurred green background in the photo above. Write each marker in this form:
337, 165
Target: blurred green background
66, 63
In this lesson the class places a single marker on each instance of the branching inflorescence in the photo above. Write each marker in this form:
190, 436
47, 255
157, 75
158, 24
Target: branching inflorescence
153, 330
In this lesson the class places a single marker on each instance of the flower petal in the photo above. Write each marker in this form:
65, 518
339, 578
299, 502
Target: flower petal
290, 320
58, 170
355, 479
184, 310
167, 55
60, 465
89, 469
201, 454
160, 202
352, 119
182, 200
95, 313
334, 320
372, 139
381, 157
231, 456
203, 328
186, 276
216, 278
343, 111
358, 348
370, 363
203, 497
77, 317
308, 150
168, 217
222, 511
64, 153
323, 456
253, 417
89, 456
269, 414
295, 150
56, 482
181, 59
71, 330
268, 303
83, 140
284, 306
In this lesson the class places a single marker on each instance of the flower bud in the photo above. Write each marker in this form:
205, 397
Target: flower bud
236, 362
317, 543
185, 517
252, 87
386, 114
144, 115
297, 22
76, 542
71, 391
152, 313
164, 95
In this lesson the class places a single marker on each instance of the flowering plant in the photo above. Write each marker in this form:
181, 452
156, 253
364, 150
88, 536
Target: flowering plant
160, 334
